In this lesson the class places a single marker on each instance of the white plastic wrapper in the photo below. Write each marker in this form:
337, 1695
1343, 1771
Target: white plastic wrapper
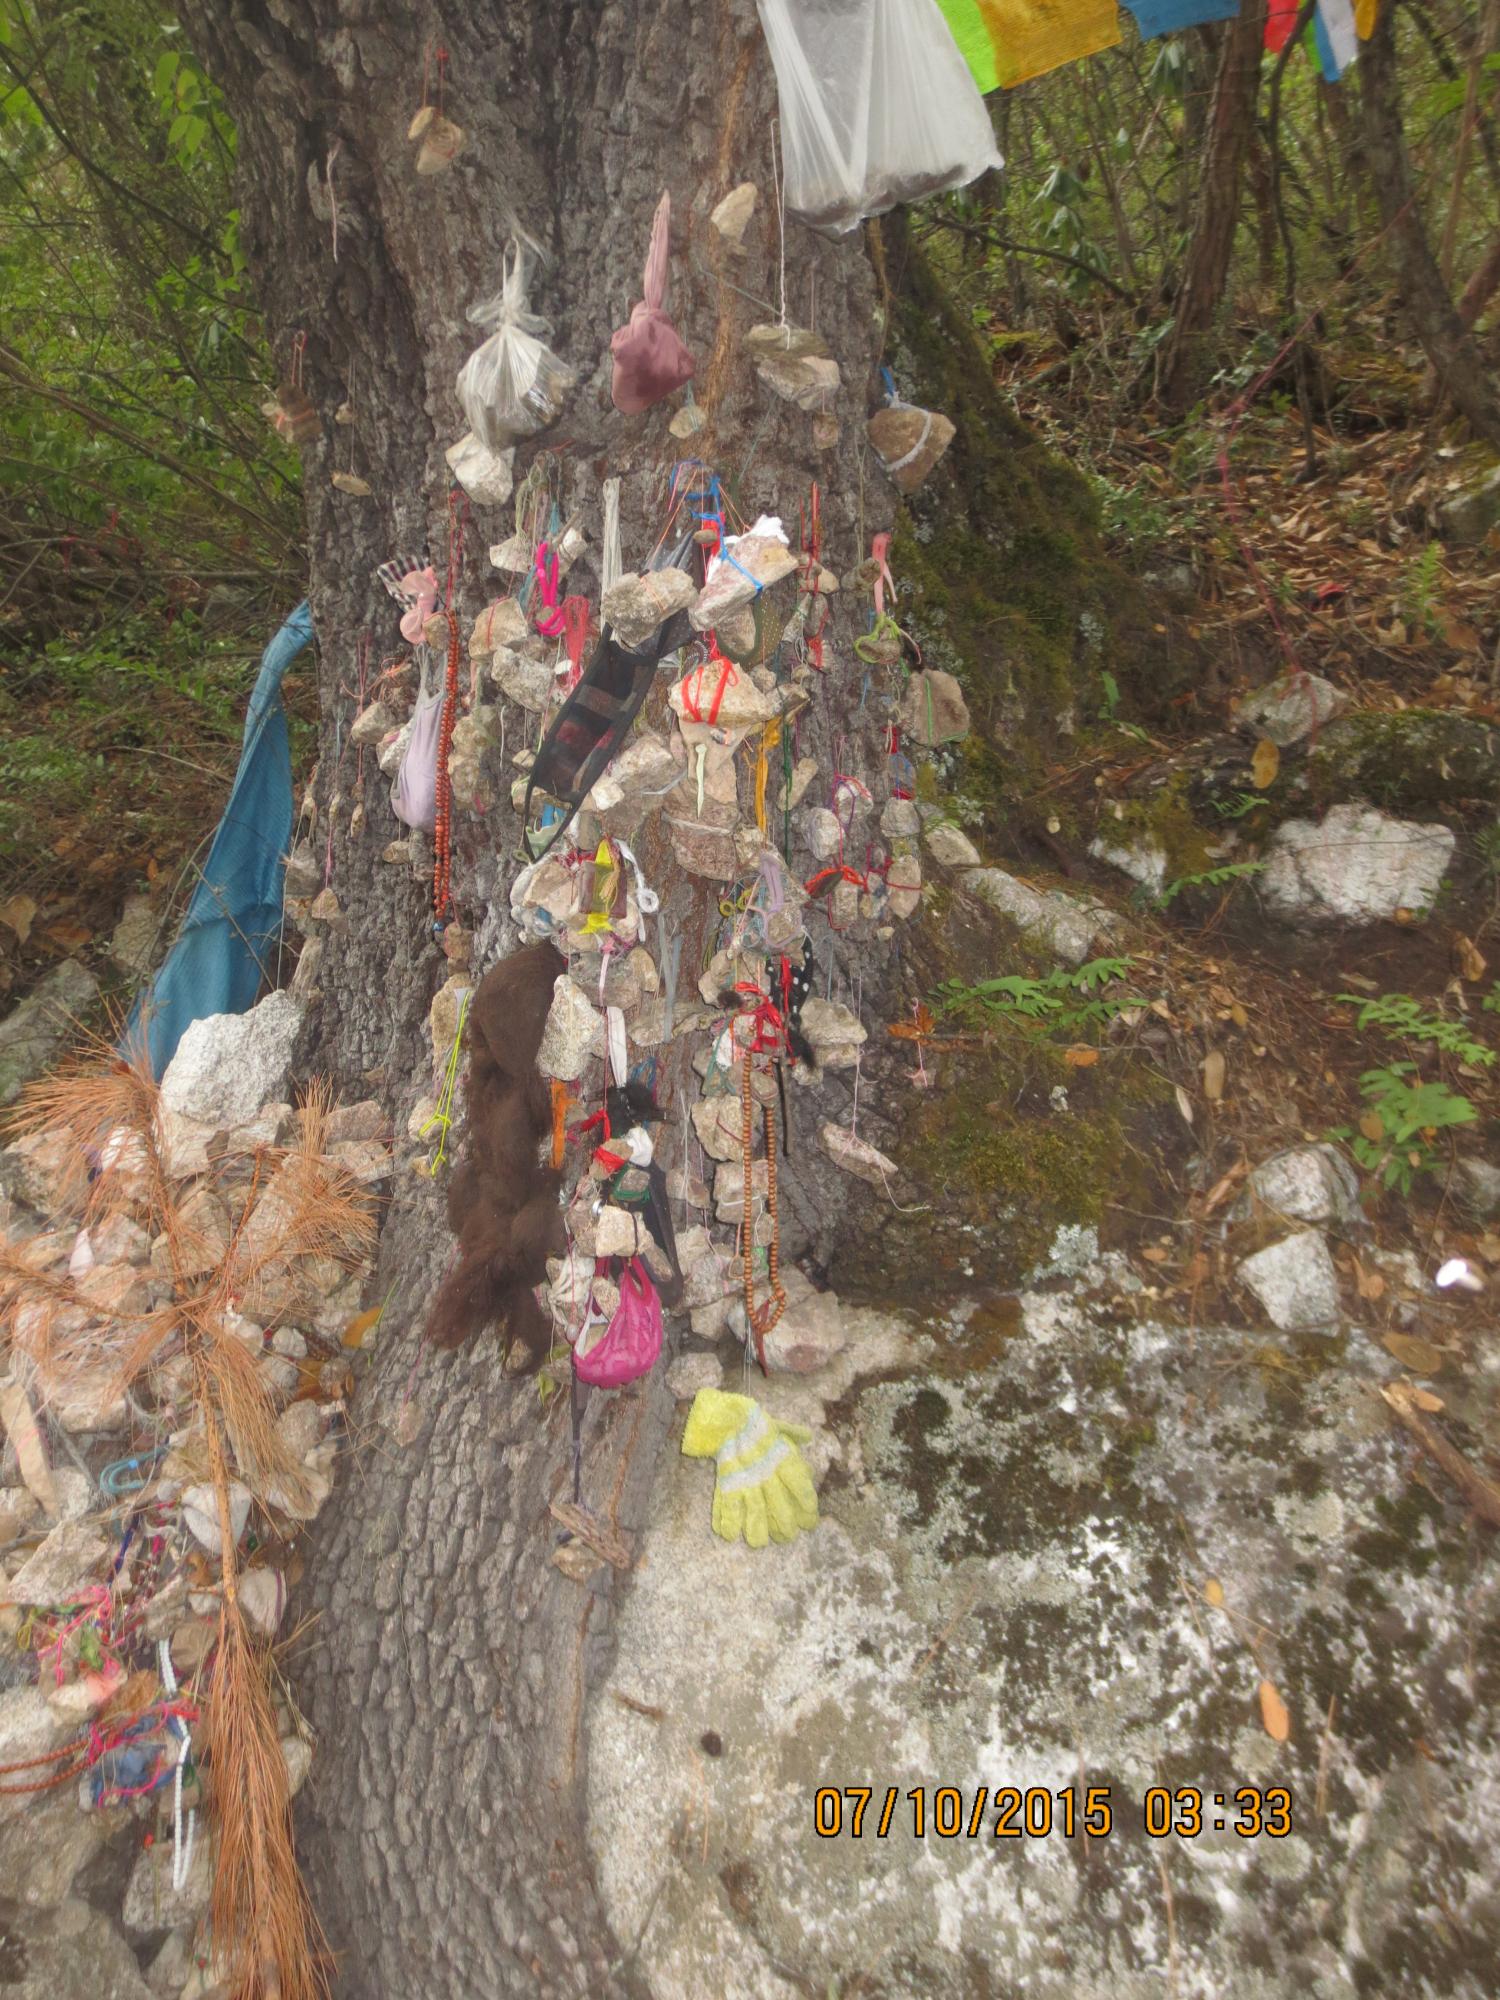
877, 106
514, 385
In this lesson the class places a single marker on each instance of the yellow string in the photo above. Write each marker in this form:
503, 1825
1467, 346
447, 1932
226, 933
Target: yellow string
770, 736
443, 1116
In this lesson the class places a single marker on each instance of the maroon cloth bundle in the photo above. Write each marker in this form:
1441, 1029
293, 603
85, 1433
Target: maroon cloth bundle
650, 359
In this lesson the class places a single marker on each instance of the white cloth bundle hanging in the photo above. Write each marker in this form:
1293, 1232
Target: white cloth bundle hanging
878, 106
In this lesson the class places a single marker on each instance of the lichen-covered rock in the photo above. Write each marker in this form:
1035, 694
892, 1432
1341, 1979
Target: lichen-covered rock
857, 1156
950, 846
1144, 860
1304, 1184
835, 1033
1477, 1186
794, 363
1358, 866
903, 882
900, 819
42, 1852
1295, 1282
635, 606
524, 673
933, 709
72, 1952
1055, 923
32, 1034
1290, 708
59, 1571
152, 1904
228, 1065
998, 1592
573, 1035
1420, 762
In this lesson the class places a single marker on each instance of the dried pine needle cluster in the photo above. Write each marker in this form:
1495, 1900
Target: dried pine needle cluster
294, 1219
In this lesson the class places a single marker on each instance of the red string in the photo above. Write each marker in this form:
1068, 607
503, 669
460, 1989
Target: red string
549, 618
767, 1022
692, 695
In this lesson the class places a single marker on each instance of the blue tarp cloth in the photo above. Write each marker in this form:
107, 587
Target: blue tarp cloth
1165, 17
225, 949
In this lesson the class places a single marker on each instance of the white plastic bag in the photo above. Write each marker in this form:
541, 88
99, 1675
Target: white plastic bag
514, 385
877, 106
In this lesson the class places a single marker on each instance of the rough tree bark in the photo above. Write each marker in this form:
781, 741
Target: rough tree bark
1452, 353
1231, 122
445, 1676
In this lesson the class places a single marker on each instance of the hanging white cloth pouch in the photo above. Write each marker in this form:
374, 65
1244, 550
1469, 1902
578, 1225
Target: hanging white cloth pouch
877, 106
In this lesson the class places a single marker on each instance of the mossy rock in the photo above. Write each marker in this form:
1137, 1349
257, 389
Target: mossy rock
1410, 760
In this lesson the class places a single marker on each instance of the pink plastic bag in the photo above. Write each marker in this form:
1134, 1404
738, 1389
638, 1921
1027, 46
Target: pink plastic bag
650, 359
414, 787
629, 1345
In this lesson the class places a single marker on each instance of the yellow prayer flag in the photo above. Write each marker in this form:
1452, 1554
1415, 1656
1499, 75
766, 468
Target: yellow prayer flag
1033, 36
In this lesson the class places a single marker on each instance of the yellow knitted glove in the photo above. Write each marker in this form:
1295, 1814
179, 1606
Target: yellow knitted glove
762, 1491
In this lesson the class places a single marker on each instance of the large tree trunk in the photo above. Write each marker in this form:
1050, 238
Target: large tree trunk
1231, 123
446, 1674
1452, 353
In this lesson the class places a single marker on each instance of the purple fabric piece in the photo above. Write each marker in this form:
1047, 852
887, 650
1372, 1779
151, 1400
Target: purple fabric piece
649, 356
414, 791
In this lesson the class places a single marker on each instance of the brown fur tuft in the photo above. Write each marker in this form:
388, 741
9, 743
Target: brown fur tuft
502, 1204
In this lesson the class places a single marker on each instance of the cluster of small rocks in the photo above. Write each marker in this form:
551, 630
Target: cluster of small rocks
107, 1502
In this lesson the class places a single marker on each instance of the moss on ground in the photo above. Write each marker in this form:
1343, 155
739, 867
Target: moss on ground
995, 1149
1410, 760
1165, 819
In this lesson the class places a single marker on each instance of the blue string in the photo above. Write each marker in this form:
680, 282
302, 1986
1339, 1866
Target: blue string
716, 516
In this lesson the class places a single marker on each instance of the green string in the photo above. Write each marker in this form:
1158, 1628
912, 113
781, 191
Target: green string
443, 1116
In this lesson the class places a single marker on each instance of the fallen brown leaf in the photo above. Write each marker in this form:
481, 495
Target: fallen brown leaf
1265, 764
361, 1326
1213, 1076
1470, 960
1213, 1593
1080, 1057
17, 914
1369, 1284
1420, 1356
1273, 1713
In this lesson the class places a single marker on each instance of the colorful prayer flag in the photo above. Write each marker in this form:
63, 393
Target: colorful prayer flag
1166, 17
1006, 42
968, 21
1281, 18
1338, 44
